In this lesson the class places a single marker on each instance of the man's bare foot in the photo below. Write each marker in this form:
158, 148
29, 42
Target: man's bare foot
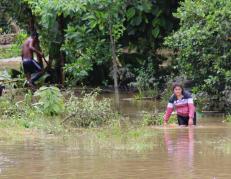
31, 86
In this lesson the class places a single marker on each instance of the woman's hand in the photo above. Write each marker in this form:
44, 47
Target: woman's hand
190, 121
165, 123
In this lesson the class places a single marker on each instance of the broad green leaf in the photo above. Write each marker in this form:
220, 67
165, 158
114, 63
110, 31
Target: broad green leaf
156, 32
130, 13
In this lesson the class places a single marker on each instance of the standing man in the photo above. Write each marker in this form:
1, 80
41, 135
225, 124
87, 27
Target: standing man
30, 66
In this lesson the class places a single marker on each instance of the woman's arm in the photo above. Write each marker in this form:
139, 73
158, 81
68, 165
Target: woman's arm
168, 111
191, 108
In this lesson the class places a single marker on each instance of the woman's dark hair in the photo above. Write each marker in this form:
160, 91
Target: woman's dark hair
178, 85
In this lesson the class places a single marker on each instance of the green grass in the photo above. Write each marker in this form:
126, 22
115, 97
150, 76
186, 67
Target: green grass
127, 137
89, 118
23, 115
9, 52
228, 118
46, 110
113, 137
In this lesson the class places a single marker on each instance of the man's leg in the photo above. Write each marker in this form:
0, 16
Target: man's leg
29, 80
38, 71
27, 71
36, 76
28, 76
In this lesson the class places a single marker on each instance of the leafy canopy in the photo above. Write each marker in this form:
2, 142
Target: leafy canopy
203, 44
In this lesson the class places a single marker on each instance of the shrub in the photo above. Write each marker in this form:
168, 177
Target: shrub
88, 111
228, 118
24, 114
146, 83
6, 108
51, 101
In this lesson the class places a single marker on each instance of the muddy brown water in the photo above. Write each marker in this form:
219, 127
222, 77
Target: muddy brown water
203, 152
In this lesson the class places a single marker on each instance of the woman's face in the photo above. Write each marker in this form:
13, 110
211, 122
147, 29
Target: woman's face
178, 91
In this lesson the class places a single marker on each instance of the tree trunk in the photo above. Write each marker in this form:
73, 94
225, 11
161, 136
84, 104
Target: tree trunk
55, 53
62, 26
115, 67
31, 22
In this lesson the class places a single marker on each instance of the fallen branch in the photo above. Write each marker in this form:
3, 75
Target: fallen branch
68, 117
10, 81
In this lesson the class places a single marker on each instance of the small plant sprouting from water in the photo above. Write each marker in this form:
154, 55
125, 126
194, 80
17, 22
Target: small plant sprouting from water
228, 118
152, 119
155, 119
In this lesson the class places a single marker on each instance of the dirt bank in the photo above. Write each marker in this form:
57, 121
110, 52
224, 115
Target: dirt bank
11, 63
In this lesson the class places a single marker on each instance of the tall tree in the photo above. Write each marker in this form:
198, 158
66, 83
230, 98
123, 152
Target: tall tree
94, 34
203, 45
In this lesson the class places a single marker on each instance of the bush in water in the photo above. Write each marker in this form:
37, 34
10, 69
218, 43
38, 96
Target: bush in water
228, 118
155, 119
88, 111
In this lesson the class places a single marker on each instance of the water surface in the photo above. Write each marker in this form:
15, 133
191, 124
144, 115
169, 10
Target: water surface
203, 152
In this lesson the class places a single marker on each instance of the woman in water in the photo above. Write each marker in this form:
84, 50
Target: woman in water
182, 101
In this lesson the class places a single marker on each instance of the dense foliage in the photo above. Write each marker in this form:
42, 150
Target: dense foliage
94, 42
47, 110
88, 111
203, 48
82, 37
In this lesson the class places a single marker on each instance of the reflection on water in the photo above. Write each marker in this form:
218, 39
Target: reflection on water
4, 163
202, 152
180, 149
179, 153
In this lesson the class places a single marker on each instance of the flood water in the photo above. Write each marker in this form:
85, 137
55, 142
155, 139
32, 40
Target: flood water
203, 152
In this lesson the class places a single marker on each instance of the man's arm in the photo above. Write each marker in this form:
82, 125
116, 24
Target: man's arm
22, 55
31, 46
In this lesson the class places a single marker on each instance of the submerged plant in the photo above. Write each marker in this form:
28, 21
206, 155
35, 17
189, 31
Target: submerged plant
228, 118
155, 119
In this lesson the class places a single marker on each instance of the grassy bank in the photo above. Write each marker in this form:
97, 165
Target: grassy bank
9, 51
49, 112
